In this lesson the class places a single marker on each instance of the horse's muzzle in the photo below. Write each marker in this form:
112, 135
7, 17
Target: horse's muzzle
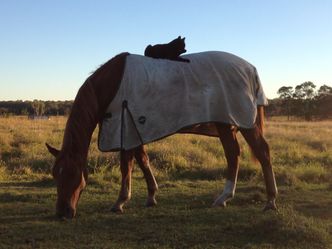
65, 211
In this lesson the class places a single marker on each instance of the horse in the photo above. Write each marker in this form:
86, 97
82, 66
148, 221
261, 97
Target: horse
91, 103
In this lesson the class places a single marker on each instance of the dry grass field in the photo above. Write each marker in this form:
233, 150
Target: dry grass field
190, 171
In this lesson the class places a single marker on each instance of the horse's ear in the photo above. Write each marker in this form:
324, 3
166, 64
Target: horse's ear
183, 38
52, 150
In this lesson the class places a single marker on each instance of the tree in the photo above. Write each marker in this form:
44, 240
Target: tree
305, 91
34, 106
38, 107
286, 94
324, 91
3, 111
305, 94
324, 101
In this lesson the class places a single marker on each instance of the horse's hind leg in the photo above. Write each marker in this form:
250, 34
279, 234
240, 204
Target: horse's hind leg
126, 167
261, 150
143, 162
232, 151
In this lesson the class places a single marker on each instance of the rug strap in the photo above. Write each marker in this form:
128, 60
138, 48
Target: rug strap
125, 108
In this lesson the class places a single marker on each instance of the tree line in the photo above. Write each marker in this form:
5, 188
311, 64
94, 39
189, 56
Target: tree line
35, 107
304, 101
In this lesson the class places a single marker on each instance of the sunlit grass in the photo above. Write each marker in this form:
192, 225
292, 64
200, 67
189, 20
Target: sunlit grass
300, 149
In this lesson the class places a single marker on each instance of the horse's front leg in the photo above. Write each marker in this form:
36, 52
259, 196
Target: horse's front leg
143, 162
232, 151
126, 167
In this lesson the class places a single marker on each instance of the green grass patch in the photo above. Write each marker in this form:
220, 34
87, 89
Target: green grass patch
183, 218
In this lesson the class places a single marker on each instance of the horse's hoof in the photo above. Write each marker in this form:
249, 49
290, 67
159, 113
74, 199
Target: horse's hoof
222, 199
219, 204
151, 202
117, 209
270, 205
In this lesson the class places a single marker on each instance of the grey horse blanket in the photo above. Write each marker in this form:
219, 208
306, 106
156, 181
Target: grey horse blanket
159, 97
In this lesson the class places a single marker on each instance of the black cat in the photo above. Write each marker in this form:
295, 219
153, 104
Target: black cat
170, 51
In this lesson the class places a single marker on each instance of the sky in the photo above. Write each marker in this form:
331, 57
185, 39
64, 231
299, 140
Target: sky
48, 48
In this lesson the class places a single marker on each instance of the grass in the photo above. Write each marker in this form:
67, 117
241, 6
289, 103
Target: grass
190, 171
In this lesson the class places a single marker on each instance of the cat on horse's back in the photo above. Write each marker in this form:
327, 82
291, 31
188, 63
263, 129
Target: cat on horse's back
170, 51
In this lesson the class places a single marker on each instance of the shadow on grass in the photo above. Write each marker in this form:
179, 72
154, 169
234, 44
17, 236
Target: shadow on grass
182, 219
40, 216
10, 197
245, 174
188, 223
197, 174
40, 183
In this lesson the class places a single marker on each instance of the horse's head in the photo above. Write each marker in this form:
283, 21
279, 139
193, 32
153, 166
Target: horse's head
70, 177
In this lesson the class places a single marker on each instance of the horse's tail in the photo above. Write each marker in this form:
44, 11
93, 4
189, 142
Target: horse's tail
260, 125
260, 118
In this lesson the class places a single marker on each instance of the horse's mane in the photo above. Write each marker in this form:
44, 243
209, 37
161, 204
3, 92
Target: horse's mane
101, 67
82, 119
89, 104
106, 64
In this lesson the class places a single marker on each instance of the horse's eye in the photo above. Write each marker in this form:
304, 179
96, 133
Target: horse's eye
57, 171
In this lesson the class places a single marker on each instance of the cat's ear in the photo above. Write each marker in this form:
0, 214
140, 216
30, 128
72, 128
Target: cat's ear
179, 37
183, 38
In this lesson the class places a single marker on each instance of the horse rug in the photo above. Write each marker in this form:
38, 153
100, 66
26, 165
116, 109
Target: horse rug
159, 97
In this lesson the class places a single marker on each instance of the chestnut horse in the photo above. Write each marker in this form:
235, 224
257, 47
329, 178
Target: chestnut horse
91, 102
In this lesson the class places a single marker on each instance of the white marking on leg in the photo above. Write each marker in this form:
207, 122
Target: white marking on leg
227, 194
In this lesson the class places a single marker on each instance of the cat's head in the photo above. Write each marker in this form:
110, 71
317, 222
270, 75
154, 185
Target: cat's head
179, 45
